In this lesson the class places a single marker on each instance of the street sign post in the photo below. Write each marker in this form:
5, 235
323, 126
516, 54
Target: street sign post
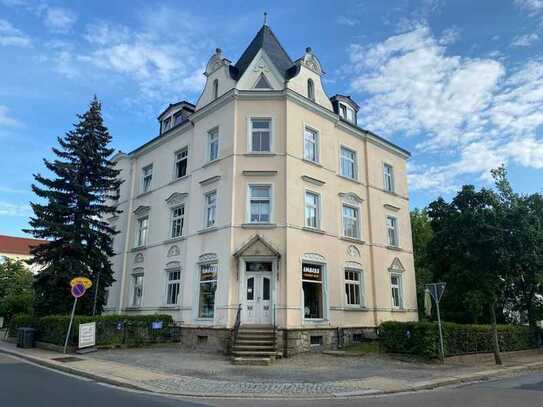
436, 290
79, 286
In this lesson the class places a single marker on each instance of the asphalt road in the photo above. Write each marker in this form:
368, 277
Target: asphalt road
23, 384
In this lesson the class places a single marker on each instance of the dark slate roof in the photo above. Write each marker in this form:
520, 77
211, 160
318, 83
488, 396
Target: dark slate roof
183, 102
346, 99
265, 39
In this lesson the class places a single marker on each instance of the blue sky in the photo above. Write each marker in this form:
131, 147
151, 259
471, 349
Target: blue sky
459, 83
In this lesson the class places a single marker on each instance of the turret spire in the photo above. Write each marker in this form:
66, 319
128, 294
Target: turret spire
265, 18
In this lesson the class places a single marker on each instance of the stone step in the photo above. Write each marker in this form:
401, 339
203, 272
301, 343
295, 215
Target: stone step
256, 331
259, 341
254, 353
242, 347
251, 361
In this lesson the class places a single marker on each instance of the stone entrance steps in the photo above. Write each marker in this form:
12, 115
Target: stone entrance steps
255, 345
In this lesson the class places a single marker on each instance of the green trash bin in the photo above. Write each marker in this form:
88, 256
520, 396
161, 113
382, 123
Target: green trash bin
25, 337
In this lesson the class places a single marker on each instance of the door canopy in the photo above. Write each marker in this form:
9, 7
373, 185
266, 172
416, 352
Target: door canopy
257, 246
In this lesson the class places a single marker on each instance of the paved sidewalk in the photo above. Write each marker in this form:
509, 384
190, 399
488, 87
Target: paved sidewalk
175, 370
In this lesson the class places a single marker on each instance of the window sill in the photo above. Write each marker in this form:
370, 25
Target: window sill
258, 225
315, 163
313, 230
390, 192
144, 194
355, 308
356, 181
259, 153
134, 308
178, 179
352, 239
138, 248
174, 239
171, 307
398, 310
210, 163
396, 248
207, 230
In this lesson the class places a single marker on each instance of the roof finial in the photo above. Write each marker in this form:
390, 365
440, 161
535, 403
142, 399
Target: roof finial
265, 18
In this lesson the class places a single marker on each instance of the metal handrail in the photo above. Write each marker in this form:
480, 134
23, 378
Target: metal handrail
237, 324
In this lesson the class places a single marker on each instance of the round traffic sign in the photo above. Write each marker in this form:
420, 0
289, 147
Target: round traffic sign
78, 290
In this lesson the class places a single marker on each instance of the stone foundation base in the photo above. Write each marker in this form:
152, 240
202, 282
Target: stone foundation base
289, 341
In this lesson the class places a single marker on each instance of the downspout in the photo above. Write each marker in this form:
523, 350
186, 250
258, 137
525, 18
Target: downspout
127, 236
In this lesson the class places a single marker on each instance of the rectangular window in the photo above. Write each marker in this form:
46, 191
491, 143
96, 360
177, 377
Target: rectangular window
178, 220
208, 286
147, 178
141, 232
260, 135
213, 144
210, 202
260, 203
396, 286
312, 210
177, 118
137, 296
173, 287
388, 177
351, 222
312, 277
181, 161
311, 145
392, 231
353, 287
166, 124
348, 163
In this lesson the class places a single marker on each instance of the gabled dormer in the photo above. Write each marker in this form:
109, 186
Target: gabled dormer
345, 107
174, 115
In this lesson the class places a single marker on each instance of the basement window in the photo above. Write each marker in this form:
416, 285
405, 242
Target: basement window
357, 338
202, 340
316, 340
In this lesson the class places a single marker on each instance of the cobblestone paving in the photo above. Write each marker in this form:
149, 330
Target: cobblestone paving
306, 374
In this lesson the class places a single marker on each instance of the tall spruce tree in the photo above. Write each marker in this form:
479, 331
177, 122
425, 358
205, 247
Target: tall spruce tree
75, 203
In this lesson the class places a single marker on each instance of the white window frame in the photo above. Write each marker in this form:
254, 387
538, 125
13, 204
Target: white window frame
349, 111
354, 161
324, 289
390, 177
250, 198
395, 229
177, 160
359, 283
399, 288
212, 138
135, 277
250, 129
200, 282
141, 241
317, 209
311, 89
174, 218
207, 207
172, 283
311, 129
146, 187
358, 220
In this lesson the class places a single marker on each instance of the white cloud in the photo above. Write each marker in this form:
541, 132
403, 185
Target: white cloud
11, 36
468, 112
525, 40
9, 209
59, 19
6, 120
348, 21
449, 36
533, 7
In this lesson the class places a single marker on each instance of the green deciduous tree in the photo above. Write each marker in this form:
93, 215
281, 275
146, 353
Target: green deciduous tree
15, 288
422, 236
70, 214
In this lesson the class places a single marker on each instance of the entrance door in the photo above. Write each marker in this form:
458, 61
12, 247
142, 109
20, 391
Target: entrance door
258, 298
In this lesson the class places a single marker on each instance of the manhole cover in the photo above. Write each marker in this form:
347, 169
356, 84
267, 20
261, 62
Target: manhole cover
67, 359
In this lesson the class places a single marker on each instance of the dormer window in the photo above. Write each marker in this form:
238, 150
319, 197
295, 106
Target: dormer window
311, 89
215, 89
346, 112
166, 124
177, 118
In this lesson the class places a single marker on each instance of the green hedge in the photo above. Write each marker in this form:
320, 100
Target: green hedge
110, 329
422, 338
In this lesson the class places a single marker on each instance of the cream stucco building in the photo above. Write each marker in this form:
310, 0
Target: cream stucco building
266, 196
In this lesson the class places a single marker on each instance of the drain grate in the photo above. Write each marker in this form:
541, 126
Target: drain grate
67, 359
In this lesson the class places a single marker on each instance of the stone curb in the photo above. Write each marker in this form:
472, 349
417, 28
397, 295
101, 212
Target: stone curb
432, 384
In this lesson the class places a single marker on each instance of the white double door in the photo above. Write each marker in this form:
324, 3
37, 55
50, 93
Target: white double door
258, 305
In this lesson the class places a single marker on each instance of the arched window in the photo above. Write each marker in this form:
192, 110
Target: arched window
215, 89
310, 89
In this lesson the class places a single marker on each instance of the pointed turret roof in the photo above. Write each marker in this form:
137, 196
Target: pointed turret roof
266, 40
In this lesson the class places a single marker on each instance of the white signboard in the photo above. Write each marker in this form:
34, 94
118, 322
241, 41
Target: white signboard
87, 335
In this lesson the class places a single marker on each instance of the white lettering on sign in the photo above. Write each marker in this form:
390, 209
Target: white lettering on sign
87, 335
311, 272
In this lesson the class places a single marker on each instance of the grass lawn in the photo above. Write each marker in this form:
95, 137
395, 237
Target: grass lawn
363, 347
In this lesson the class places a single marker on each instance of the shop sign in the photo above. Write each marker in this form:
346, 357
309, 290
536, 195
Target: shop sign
311, 272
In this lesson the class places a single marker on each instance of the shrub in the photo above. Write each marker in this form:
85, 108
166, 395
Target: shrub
422, 338
110, 329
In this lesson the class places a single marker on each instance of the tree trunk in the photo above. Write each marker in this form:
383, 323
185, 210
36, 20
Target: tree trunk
497, 356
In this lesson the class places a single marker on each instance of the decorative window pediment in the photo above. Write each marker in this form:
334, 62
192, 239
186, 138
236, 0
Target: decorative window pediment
262, 82
139, 258
351, 197
353, 265
352, 251
396, 266
208, 258
173, 265
314, 257
138, 270
142, 210
257, 246
176, 198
